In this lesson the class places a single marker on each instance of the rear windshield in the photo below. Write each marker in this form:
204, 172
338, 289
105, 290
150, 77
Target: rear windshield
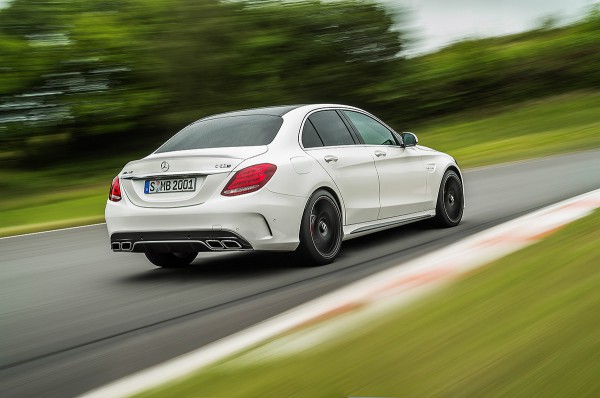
231, 131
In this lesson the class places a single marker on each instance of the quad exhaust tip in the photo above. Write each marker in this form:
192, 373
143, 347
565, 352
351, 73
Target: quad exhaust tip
212, 244
225, 244
121, 246
231, 244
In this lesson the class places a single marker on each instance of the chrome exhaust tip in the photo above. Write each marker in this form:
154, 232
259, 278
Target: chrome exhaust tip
231, 244
115, 246
214, 244
127, 246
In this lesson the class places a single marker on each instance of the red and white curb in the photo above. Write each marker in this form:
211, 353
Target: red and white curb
399, 284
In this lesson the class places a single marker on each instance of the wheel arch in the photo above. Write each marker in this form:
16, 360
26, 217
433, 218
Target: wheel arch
456, 170
329, 186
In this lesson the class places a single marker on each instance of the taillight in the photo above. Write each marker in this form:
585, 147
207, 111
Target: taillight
250, 179
115, 190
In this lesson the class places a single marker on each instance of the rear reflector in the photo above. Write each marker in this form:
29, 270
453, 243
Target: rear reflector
115, 190
250, 179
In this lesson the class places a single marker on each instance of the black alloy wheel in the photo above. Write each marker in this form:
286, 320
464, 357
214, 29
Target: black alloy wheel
450, 202
321, 229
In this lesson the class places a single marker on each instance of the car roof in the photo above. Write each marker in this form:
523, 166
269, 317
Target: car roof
269, 111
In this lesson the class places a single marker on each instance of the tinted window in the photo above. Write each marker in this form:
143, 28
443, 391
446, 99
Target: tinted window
331, 128
232, 131
371, 131
310, 137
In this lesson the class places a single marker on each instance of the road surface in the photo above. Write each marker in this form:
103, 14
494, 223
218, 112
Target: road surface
74, 315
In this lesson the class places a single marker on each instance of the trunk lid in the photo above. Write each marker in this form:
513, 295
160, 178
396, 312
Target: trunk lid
208, 168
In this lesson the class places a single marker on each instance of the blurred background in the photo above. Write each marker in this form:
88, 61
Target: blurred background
86, 85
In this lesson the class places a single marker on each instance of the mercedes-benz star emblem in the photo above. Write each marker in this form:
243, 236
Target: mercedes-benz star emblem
164, 166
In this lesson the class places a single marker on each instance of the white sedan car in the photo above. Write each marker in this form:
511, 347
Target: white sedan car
304, 177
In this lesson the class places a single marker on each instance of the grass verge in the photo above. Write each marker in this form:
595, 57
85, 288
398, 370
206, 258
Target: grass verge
69, 208
526, 325
62, 196
554, 125
72, 194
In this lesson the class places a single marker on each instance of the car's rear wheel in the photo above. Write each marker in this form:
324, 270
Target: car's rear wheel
450, 202
321, 229
171, 260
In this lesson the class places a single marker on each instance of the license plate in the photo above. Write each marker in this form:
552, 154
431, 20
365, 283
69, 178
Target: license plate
171, 185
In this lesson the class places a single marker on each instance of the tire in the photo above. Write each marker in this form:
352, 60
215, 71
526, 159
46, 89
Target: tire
450, 201
171, 260
321, 229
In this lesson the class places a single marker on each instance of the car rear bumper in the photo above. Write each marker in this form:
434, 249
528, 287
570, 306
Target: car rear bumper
178, 241
259, 221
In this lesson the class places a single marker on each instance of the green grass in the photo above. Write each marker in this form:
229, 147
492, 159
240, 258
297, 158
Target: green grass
526, 325
61, 196
74, 194
561, 124
53, 211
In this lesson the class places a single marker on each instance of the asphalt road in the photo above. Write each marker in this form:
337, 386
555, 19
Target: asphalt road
74, 315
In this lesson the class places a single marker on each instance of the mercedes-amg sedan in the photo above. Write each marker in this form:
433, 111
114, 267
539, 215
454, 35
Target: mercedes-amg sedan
285, 178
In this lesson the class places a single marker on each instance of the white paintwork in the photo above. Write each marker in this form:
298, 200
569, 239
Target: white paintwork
269, 219
402, 181
355, 176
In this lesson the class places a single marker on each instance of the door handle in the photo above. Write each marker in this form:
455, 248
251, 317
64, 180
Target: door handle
379, 153
330, 158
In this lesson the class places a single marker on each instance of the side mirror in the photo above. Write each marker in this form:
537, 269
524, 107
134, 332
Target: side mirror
409, 139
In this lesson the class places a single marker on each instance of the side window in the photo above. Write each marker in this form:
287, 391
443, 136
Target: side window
331, 128
310, 137
371, 131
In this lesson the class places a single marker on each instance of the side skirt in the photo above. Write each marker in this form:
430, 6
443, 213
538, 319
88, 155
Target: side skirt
356, 230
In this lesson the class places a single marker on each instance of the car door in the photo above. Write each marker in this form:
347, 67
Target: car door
327, 138
402, 176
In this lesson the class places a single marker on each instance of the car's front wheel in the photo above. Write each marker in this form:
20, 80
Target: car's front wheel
450, 202
321, 229
171, 260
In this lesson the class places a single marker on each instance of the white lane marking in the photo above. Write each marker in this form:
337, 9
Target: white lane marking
53, 230
396, 283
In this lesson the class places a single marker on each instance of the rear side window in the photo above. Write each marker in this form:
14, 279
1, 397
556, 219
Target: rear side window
232, 131
310, 137
371, 131
331, 128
